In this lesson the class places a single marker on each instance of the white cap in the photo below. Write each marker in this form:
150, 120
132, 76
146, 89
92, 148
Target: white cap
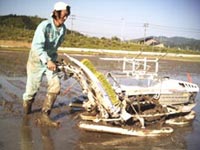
60, 6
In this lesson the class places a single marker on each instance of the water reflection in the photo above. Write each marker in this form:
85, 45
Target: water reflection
103, 141
27, 140
48, 143
26, 134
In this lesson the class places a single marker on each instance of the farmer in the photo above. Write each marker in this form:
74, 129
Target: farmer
47, 38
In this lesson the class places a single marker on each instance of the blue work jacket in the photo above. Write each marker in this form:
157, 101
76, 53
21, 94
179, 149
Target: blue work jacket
47, 39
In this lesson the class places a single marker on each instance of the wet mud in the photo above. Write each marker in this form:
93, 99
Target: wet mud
21, 132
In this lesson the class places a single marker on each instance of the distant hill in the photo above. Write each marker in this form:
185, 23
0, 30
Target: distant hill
180, 42
21, 28
18, 27
23, 22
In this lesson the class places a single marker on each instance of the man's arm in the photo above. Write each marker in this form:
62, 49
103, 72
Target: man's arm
39, 42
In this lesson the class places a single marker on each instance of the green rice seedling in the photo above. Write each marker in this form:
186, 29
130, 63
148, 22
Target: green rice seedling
105, 84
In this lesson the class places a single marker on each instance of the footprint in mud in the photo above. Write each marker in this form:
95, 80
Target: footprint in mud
10, 108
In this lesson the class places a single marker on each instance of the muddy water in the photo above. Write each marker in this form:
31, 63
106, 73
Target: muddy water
18, 132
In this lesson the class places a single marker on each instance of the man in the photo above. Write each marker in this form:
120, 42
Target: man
47, 38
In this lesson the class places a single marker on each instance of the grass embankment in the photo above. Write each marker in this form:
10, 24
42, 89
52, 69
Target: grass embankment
11, 45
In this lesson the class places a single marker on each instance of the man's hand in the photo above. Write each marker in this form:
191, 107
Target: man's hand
51, 65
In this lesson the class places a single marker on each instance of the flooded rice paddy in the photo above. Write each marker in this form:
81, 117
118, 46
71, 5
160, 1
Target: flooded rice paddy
22, 133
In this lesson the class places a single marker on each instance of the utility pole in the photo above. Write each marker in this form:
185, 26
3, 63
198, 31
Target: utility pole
145, 30
122, 29
72, 23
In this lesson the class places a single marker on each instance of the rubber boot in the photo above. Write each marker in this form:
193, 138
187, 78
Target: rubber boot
45, 119
27, 105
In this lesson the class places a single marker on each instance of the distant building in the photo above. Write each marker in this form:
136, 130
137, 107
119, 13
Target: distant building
150, 41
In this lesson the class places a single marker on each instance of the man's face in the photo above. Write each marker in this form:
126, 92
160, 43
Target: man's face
63, 16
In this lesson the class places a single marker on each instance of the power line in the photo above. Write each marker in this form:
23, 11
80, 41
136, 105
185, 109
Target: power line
123, 26
135, 23
175, 27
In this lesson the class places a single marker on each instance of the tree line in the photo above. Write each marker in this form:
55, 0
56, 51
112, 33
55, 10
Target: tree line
21, 28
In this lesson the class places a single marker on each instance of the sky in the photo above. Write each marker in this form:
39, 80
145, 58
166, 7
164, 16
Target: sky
126, 19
